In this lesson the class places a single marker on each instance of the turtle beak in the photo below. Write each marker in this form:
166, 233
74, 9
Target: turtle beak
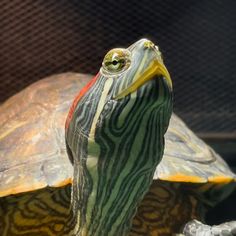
156, 68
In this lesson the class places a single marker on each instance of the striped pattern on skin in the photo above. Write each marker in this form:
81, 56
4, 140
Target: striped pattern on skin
166, 208
163, 211
39, 213
115, 146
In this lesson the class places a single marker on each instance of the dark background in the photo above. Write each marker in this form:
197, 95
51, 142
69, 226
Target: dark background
197, 38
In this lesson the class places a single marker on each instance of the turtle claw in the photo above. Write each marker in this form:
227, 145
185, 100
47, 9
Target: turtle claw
196, 228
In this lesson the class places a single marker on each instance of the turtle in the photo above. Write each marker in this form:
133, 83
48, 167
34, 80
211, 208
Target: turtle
49, 181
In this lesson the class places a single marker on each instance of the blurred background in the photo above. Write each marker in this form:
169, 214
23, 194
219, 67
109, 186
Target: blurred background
197, 39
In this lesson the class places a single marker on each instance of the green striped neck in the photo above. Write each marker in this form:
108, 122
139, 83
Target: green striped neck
116, 170
115, 216
105, 200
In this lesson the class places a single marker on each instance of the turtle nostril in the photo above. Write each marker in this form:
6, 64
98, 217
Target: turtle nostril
149, 44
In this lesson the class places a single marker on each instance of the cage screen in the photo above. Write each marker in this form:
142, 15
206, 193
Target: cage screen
197, 38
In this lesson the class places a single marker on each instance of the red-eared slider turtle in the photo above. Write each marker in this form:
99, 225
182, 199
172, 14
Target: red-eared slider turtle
114, 136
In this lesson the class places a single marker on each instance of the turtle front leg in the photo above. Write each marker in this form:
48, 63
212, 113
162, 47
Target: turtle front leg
196, 228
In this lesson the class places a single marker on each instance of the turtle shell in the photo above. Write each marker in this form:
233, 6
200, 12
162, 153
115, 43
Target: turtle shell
187, 158
32, 147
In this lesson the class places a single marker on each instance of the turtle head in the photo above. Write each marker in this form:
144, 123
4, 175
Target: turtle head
114, 135
134, 67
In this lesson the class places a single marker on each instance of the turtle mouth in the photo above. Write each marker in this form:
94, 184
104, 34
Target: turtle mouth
155, 70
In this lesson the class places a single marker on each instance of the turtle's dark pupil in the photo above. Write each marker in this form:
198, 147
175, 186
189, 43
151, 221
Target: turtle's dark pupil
114, 62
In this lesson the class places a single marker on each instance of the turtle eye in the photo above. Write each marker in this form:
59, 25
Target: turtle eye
115, 65
116, 61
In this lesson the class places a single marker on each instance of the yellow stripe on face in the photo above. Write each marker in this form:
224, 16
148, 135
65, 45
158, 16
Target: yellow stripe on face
154, 69
137, 73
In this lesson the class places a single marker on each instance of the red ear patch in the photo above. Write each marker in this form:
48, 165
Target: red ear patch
78, 97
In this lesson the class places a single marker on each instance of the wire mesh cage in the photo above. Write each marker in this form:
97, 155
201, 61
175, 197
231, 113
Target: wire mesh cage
197, 38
